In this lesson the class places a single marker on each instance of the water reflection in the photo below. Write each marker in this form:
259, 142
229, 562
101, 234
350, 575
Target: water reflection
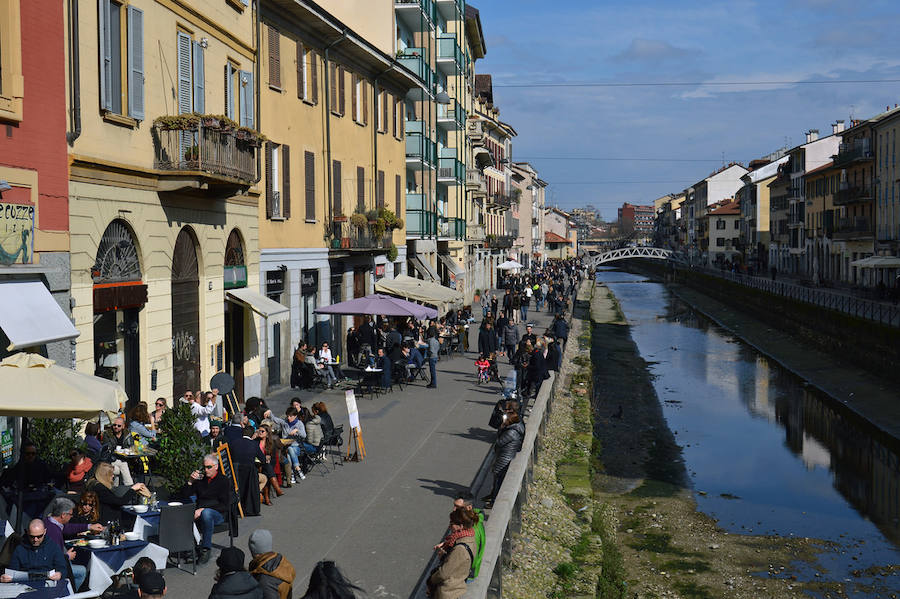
799, 463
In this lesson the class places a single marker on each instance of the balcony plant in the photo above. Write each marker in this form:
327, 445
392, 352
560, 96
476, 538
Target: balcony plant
392, 253
191, 121
391, 221
339, 217
359, 220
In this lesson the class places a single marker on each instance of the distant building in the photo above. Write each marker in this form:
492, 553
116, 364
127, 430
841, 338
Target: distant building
639, 219
724, 231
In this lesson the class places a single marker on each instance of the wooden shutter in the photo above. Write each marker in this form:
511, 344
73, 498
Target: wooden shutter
301, 67
135, 63
105, 55
364, 100
384, 110
269, 187
341, 104
314, 76
246, 84
310, 160
398, 188
336, 187
394, 115
274, 56
380, 189
354, 97
199, 73
360, 189
185, 86
285, 181
401, 112
333, 86
229, 91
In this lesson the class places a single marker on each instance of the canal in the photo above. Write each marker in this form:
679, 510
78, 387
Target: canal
765, 453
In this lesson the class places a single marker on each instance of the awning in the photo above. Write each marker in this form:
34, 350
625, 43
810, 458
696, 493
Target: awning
259, 304
30, 316
424, 269
458, 271
407, 287
877, 262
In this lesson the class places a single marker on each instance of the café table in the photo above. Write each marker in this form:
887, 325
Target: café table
371, 378
34, 589
146, 524
131, 454
104, 562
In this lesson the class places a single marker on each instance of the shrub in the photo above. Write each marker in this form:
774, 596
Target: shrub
179, 448
55, 439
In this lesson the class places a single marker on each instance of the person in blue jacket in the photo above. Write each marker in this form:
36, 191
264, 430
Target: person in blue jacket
38, 555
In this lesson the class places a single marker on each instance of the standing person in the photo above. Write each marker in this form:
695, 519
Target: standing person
232, 580
507, 303
516, 306
526, 300
495, 304
508, 443
511, 340
561, 330
213, 502
272, 571
448, 581
434, 348
202, 406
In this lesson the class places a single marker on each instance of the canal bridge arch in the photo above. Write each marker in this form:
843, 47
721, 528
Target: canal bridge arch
626, 253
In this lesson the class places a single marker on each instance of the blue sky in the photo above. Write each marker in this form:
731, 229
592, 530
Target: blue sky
531, 41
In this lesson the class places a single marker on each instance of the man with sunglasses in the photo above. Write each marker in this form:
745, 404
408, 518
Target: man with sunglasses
37, 555
120, 437
213, 500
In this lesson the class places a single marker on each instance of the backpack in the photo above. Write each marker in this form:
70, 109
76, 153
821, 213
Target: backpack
497, 415
471, 575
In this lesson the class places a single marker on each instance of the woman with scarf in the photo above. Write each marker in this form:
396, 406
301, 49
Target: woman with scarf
448, 581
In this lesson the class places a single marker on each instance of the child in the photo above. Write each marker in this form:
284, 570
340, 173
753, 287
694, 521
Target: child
495, 374
483, 366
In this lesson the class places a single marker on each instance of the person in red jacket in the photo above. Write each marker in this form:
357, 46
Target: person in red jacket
77, 469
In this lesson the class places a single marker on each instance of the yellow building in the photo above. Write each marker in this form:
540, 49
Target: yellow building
163, 203
334, 176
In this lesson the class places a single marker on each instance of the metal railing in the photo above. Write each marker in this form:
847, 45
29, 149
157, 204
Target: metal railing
855, 150
448, 49
499, 241
844, 302
857, 193
216, 152
346, 235
420, 222
858, 226
451, 170
419, 147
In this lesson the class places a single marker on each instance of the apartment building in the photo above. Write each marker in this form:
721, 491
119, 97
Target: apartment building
163, 194
887, 190
530, 191
560, 241
724, 227
754, 200
637, 220
720, 185
779, 218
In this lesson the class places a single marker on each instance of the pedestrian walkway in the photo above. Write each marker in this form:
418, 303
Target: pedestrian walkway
379, 519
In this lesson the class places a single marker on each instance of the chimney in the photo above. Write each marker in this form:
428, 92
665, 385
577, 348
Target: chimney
812, 135
837, 127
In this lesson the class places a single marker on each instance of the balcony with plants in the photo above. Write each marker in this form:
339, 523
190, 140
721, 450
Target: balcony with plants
366, 231
203, 151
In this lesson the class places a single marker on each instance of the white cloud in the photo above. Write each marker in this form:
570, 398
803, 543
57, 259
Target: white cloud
645, 50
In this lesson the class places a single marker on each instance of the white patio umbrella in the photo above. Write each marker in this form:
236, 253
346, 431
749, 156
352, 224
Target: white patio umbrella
510, 265
36, 387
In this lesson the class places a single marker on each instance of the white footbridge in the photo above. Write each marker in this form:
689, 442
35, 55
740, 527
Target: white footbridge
594, 260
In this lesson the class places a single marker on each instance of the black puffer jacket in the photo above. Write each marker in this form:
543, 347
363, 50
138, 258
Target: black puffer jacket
509, 442
236, 585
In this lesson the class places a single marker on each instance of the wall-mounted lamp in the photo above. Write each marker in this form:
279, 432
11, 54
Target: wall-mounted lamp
210, 285
204, 42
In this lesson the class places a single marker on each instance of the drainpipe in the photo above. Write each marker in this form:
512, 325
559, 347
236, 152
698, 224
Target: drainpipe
74, 74
328, 165
258, 98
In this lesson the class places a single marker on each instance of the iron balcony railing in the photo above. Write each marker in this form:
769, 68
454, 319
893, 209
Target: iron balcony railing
346, 235
858, 149
854, 228
861, 193
210, 151
499, 241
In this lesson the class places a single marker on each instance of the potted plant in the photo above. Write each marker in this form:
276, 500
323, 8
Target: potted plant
192, 154
179, 452
392, 253
339, 217
359, 220
55, 439
378, 228
478, 295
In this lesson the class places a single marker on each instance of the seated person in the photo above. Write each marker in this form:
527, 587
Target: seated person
325, 418
213, 499
322, 364
79, 466
37, 555
139, 422
292, 427
215, 438
87, 511
415, 360
111, 503
92, 440
385, 364
35, 477
59, 528
115, 438
326, 357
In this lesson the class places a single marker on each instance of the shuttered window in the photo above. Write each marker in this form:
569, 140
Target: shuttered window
229, 90
302, 91
185, 83
364, 101
274, 56
354, 98
285, 181
117, 23
398, 189
336, 206
360, 189
270, 182
384, 111
199, 76
245, 79
341, 94
394, 116
310, 161
379, 193
333, 87
313, 67
135, 63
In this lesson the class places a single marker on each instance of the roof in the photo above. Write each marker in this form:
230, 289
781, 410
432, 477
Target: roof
764, 172
474, 31
484, 86
817, 170
551, 237
728, 208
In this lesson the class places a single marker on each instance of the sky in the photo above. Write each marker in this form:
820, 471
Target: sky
680, 133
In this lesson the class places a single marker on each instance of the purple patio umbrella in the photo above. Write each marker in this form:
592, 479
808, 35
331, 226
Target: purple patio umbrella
378, 304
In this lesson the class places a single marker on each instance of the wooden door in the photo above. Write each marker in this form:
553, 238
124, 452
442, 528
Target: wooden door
185, 316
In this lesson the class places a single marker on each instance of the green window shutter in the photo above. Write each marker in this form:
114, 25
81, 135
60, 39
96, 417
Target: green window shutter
185, 86
199, 79
135, 63
105, 55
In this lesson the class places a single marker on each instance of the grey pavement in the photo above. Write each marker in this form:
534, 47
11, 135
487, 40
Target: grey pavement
379, 519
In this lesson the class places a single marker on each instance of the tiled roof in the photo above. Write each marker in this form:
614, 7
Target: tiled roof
551, 237
729, 208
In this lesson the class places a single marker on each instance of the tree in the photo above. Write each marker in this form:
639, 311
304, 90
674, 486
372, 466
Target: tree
55, 439
179, 448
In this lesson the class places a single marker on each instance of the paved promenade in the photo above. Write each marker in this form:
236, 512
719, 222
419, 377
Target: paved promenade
379, 519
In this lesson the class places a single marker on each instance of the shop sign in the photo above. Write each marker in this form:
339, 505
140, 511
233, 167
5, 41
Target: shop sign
6, 445
16, 233
309, 282
379, 271
452, 280
274, 282
235, 276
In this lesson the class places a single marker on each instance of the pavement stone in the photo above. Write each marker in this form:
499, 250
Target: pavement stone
380, 518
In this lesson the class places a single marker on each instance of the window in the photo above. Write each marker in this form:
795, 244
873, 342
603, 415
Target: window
191, 75
337, 104
121, 76
11, 80
398, 195
720, 224
360, 105
383, 97
398, 118
239, 83
336, 200
360, 189
737, 224
274, 44
302, 72
309, 160
278, 181
379, 191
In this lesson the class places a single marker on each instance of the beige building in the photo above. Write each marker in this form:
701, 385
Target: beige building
530, 190
163, 203
334, 170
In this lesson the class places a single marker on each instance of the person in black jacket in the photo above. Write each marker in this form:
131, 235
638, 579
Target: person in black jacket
366, 334
536, 372
232, 580
213, 492
487, 340
561, 330
509, 442
111, 503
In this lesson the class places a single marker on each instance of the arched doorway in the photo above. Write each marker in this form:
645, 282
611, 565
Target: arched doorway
119, 295
185, 315
235, 277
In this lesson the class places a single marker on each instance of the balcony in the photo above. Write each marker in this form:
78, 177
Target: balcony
451, 171
857, 150
207, 154
347, 236
858, 227
499, 201
475, 233
416, 60
475, 133
420, 149
420, 223
475, 180
450, 9
451, 117
851, 195
450, 59
418, 15
453, 227
500, 242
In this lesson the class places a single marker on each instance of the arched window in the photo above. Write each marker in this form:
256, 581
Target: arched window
235, 267
117, 256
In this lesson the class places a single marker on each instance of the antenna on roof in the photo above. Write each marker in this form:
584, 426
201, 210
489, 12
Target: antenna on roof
723, 158
852, 108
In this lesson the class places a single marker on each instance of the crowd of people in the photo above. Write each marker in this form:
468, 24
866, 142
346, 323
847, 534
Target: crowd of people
270, 452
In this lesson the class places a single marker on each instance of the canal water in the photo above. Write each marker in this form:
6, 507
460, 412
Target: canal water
765, 453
